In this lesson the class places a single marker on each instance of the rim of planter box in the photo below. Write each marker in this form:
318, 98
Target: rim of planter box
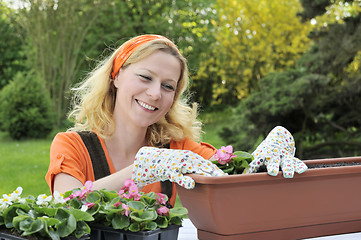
263, 176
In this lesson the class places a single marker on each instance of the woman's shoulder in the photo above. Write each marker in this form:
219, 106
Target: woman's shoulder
67, 135
67, 138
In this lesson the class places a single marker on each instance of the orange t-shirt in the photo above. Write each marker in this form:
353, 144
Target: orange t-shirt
69, 155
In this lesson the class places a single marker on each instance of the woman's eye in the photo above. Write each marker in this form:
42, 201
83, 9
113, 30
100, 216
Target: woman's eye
145, 77
168, 87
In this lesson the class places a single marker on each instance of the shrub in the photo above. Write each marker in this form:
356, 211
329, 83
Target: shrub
25, 108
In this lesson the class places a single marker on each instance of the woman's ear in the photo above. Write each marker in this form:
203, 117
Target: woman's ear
116, 80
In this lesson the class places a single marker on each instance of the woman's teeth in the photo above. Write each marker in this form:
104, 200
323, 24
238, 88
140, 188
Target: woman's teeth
146, 106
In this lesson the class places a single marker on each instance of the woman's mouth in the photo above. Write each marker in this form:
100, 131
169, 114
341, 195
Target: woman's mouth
146, 106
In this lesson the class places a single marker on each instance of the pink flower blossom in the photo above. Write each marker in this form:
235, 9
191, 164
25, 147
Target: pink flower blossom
81, 194
160, 198
134, 193
87, 206
117, 204
163, 211
128, 183
126, 208
131, 188
225, 154
90, 204
73, 195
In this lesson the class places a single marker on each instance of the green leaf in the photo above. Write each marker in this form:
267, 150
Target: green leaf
149, 201
9, 215
162, 222
215, 162
109, 195
134, 227
34, 227
150, 226
228, 169
75, 203
136, 206
178, 212
22, 221
120, 221
176, 221
93, 197
93, 210
46, 211
50, 221
148, 215
67, 223
80, 215
241, 155
81, 229
53, 235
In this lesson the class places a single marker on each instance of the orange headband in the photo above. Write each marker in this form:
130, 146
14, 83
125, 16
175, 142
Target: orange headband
129, 47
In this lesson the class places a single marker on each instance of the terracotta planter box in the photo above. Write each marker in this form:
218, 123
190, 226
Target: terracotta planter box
319, 202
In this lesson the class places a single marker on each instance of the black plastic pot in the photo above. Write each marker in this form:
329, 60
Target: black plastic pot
107, 233
8, 236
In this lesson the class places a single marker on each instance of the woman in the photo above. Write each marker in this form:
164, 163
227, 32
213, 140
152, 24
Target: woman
132, 121
131, 100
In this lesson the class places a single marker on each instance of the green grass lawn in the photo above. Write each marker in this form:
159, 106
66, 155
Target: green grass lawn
24, 163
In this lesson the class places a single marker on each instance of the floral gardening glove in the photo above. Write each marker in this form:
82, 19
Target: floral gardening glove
159, 164
278, 149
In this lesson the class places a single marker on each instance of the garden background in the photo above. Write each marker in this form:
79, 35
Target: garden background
253, 65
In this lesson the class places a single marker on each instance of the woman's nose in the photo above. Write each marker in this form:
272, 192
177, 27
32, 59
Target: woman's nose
154, 91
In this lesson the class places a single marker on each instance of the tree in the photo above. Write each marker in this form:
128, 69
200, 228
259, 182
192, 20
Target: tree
253, 38
65, 37
55, 32
317, 99
11, 46
25, 107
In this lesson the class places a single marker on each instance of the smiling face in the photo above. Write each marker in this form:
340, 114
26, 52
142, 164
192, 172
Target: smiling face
146, 89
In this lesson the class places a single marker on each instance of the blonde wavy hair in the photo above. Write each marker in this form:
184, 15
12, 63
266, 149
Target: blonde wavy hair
94, 100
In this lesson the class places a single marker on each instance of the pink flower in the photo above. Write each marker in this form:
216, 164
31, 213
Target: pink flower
86, 189
160, 198
126, 208
134, 193
73, 195
117, 204
163, 211
225, 154
87, 206
128, 183
83, 192
131, 188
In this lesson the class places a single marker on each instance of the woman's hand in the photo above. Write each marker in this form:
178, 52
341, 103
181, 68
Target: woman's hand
277, 150
158, 164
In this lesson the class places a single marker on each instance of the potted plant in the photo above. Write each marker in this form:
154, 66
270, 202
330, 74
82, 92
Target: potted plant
128, 214
95, 214
325, 200
41, 217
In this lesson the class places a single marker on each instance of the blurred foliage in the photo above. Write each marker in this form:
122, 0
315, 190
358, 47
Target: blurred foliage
316, 100
294, 63
253, 38
11, 46
26, 108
